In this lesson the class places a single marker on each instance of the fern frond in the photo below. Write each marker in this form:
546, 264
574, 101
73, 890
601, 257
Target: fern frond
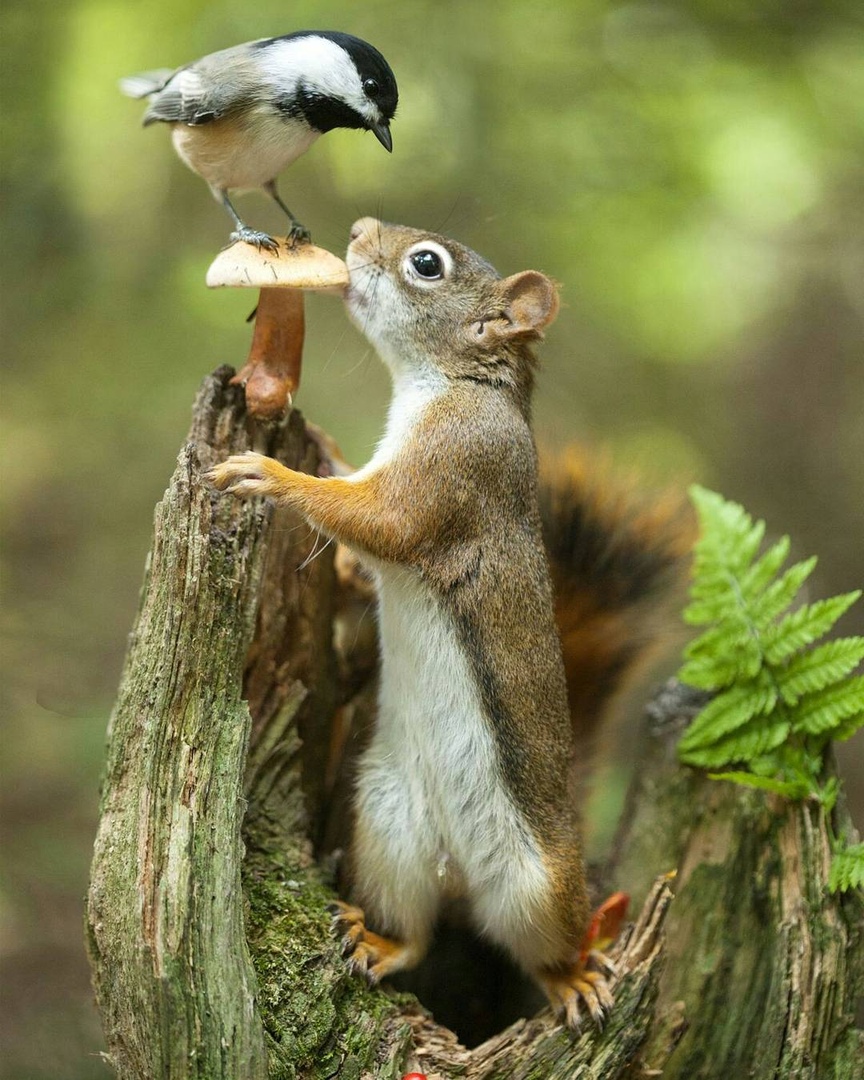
763, 572
811, 671
716, 604
730, 538
790, 789
723, 655
779, 595
804, 626
727, 711
776, 703
848, 727
757, 737
818, 714
718, 672
847, 869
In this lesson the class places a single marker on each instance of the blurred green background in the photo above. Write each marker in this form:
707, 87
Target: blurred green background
691, 172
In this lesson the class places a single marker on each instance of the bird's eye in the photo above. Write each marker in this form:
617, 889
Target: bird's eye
427, 264
370, 87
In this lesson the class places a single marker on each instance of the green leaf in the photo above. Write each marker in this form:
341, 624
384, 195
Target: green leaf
847, 869
778, 596
828, 794
760, 575
819, 668
729, 537
727, 711
715, 607
804, 626
790, 789
722, 655
758, 737
755, 654
818, 713
847, 728
719, 672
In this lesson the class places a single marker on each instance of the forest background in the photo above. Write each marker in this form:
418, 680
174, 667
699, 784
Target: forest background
692, 174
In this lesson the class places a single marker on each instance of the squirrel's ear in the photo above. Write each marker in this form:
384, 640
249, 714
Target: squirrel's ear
529, 302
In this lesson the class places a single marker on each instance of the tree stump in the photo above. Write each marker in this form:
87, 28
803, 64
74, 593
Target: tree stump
248, 684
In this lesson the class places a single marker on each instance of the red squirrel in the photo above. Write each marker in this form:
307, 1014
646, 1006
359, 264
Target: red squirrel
466, 787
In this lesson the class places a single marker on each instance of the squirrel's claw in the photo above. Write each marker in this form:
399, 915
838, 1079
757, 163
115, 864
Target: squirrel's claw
367, 954
601, 962
245, 475
585, 982
569, 990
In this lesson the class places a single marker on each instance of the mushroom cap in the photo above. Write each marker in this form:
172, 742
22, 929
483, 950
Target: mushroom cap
303, 266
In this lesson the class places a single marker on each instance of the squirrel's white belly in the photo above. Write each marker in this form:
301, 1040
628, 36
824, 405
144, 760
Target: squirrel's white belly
231, 153
433, 812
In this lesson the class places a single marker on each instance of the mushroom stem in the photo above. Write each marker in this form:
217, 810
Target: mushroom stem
271, 373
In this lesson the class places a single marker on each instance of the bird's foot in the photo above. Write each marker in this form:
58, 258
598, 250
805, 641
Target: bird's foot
253, 236
298, 234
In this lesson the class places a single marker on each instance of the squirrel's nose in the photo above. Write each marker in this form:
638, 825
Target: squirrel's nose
368, 225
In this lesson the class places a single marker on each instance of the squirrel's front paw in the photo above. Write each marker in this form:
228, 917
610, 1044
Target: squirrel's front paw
245, 475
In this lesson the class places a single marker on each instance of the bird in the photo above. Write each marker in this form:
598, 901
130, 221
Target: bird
240, 116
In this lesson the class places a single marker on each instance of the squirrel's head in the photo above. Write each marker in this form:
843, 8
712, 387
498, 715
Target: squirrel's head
426, 301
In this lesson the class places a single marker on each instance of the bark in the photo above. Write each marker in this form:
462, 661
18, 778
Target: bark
247, 688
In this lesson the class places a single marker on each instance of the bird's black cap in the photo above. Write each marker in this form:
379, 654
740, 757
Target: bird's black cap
375, 73
371, 65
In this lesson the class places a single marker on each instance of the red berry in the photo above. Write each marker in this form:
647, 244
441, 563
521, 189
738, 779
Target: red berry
414, 1076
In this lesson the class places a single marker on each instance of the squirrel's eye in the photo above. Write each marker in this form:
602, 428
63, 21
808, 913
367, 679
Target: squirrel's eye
370, 87
427, 264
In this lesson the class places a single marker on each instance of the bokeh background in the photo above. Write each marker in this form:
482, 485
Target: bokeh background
691, 172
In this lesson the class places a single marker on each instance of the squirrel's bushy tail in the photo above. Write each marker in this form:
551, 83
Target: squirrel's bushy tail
618, 561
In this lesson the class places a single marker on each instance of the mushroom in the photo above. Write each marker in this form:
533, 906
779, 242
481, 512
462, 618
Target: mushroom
271, 373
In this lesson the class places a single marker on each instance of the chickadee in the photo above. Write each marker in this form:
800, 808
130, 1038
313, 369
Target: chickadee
242, 115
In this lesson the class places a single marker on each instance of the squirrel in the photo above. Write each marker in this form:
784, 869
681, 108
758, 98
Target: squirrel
466, 788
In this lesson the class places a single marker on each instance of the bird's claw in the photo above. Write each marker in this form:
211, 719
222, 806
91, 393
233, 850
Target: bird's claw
298, 234
256, 238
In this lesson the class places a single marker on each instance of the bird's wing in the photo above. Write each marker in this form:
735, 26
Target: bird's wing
186, 99
203, 91
146, 82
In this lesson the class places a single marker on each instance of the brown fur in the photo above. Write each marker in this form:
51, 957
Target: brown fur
457, 502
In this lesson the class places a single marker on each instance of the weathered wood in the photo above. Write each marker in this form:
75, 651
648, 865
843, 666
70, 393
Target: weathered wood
769, 967
749, 969
171, 969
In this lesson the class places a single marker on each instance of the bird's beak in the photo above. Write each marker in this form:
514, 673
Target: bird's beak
382, 134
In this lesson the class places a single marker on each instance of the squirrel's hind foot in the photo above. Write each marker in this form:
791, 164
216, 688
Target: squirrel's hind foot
568, 989
369, 954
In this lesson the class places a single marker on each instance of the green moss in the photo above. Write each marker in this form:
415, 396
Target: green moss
319, 1021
